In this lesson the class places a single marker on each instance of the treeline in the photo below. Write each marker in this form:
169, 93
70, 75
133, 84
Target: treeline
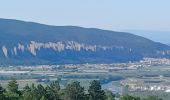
53, 91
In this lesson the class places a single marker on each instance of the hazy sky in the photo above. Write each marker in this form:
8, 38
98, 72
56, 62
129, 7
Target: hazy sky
105, 14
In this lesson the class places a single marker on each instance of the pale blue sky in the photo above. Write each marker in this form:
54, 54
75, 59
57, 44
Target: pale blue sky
105, 14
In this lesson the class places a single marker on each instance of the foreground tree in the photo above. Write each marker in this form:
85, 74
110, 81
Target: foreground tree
41, 91
13, 93
96, 92
109, 95
74, 91
27, 93
34, 92
153, 98
53, 91
2, 90
128, 97
13, 86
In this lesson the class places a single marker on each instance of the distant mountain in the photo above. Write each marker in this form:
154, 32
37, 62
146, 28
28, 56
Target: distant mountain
32, 43
159, 36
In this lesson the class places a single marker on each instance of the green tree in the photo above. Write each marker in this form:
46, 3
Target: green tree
2, 90
153, 98
74, 91
109, 95
95, 91
26, 88
13, 93
13, 86
43, 98
53, 91
41, 91
128, 97
30, 93
26, 93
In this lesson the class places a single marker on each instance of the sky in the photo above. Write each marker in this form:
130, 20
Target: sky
117, 15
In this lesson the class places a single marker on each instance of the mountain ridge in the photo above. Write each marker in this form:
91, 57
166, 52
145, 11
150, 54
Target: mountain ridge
22, 40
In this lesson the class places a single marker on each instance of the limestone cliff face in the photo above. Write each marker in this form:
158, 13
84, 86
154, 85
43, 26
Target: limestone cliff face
33, 47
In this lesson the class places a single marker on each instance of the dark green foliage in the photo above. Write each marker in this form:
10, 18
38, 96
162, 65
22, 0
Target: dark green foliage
13, 86
41, 91
13, 92
128, 97
2, 90
96, 92
153, 98
33, 92
53, 91
27, 92
73, 91
110, 95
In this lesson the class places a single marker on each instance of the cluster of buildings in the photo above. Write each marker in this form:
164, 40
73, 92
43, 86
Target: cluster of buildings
138, 85
87, 68
165, 88
129, 84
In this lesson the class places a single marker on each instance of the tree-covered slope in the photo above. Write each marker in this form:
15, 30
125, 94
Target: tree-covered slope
33, 43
